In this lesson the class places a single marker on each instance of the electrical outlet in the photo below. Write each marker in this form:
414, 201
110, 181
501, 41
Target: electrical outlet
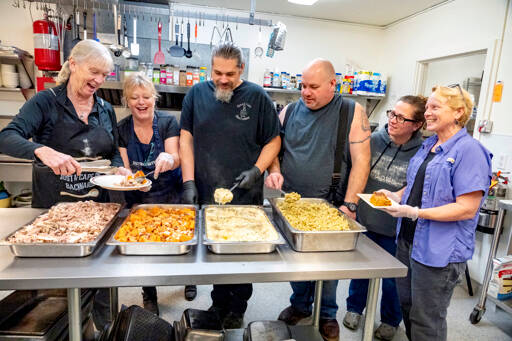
485, 126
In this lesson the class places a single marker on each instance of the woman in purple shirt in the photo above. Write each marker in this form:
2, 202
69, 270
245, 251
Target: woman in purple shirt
447, 180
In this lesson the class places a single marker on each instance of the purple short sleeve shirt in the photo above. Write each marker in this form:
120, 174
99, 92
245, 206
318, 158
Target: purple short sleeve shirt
461, 165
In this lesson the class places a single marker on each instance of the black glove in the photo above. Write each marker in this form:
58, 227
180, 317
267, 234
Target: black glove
248, 178
189, 192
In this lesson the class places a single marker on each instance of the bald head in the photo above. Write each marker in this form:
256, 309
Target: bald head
321, 67
318, 84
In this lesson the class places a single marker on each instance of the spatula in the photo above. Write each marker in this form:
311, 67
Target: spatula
159, 55
176, 50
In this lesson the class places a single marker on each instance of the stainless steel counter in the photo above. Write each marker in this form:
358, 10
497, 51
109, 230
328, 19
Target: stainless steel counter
107, 268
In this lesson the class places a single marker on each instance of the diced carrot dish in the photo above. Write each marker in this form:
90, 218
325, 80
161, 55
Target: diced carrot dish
158, 224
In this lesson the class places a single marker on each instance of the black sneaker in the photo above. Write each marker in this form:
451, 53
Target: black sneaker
190, 292
233, 321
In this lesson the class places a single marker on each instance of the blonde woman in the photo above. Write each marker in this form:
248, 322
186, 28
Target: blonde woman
447, 180
148, 141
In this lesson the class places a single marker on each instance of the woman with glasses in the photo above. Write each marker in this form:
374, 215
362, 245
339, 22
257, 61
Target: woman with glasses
447, 180
392, 148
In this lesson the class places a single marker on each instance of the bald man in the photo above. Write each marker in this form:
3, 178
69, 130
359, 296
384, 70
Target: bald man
310, 137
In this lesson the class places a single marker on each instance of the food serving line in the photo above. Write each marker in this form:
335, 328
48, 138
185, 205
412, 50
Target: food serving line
107, 267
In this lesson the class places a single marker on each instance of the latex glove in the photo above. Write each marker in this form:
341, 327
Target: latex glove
274, 180
405, 211
391, 195
145, 189
163, 163
123, 171
61, 164
248, 178
189, 192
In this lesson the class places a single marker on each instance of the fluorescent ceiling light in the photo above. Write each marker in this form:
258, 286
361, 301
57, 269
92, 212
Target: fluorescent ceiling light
303, 2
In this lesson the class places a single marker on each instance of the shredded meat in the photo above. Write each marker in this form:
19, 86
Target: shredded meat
78, 222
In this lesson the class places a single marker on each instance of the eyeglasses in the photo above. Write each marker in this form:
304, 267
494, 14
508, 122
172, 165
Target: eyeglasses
399, 118
457, 86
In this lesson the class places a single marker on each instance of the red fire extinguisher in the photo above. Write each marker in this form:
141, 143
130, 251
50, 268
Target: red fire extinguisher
46, 46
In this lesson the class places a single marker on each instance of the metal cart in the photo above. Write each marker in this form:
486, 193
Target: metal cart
479, 310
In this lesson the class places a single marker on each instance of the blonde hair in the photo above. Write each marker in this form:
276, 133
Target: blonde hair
137, 79
89, 51
455, 98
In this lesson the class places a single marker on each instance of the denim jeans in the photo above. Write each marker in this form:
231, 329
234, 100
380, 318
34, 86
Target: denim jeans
390, 312
425, 295
304, 293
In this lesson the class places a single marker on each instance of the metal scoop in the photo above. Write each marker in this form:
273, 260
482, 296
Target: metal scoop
140, 179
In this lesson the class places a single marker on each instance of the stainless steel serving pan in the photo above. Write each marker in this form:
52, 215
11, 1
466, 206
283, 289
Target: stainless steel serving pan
238, 247
56, 249
311, 241
156, 248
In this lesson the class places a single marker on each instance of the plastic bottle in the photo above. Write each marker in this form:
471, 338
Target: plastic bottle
276, 80
375, 84
156, 75
338, 82
383, 85
299, 81
176, 74
202, 74
195, 76
267, 78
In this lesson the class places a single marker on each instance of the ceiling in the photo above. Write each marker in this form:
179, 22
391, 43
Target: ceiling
368, 12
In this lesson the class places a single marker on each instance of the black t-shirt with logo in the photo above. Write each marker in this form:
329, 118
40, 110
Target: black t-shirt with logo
228, 137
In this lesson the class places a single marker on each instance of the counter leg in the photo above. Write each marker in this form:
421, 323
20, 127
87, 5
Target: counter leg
114, 305
317, 303
371, 306
74, 312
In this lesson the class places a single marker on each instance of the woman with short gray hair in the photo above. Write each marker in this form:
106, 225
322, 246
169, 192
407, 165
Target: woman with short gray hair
67, 123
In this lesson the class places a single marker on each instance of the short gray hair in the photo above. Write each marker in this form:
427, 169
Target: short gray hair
229, 51
87, 50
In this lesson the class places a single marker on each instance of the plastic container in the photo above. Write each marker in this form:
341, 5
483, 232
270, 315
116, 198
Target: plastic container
195, 76
170, 75
299, 81
156, 75
183, 78
276, 80
364, 84
163, 74
149, 70
267, 78
339, 80
383, 85
202, 74
375, 84
189, 79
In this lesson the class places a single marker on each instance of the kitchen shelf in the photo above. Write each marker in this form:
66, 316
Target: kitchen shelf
10, 89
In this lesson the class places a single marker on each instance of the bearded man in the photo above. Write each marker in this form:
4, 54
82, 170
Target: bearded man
229, 133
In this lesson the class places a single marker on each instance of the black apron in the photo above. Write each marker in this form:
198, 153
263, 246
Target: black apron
167, 188
73, 137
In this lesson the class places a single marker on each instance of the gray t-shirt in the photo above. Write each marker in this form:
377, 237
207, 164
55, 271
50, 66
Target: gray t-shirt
309, 144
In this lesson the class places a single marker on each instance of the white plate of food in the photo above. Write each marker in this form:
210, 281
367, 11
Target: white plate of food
119, 182
377, 200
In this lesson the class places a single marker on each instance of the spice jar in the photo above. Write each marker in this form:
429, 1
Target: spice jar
183, 78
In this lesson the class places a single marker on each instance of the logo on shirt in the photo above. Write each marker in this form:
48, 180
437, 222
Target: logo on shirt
243, 115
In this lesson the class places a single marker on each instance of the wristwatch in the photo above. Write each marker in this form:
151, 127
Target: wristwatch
352, 207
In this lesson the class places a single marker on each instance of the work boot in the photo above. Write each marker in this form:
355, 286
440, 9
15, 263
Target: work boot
385, 332
190, 292
291, 316
351, 320
233, 321
150, 304
330, 329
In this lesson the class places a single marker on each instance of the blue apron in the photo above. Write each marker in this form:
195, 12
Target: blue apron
167, 188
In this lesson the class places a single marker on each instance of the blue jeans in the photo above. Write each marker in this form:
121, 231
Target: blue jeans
425, 295
304, 293
390, 312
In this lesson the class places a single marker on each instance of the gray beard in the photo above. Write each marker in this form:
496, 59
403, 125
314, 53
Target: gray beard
223, 95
